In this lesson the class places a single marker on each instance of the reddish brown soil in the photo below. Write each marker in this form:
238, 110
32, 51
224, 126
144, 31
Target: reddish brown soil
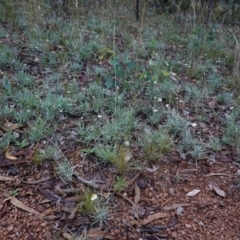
208, 215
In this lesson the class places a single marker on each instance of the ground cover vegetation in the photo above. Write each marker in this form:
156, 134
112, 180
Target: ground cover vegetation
92, 97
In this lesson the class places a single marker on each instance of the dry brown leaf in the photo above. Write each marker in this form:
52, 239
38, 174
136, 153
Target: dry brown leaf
131, 181
8, 156
14, 162
74, 210
137, 193
134, 210
154, 217
68, 236
90, 183
3, 178
193, 193
99, 234
8, 126
14, 201
75, 198
216, 174
47, 211
38, 181
48, 235
219, 192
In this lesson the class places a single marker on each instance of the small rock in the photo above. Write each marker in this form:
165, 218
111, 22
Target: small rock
188, 226
142, 184
173, 235
10, 228
171, 191
222, 204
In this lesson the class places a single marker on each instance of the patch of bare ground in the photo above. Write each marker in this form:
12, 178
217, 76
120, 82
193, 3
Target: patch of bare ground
176, 200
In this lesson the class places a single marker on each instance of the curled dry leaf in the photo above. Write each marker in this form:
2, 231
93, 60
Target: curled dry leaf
193, 193
8, 156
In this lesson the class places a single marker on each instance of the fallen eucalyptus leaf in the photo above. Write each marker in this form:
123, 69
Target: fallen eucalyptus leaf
68, 236
8, 156
219, 192
4, 178
154, 217
97, 233
193, 193
14, 201
137, 193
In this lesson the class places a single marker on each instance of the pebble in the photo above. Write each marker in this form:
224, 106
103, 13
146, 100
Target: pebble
188, 226
10, 228
174, 235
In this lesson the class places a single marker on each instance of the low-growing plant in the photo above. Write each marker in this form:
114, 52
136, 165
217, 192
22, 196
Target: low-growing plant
121, 159
106, 154
39, 130
120, 184
65, 170
215, 144
231, 130
37, 159
175, 123
154, 144
13, 193
88, 203
100, 216
225, 98
22, 143
197, 151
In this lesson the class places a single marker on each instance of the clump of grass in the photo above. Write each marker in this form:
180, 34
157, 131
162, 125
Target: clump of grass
154, 144
100, 216
175, 123
118, 156
215, 144
37, 159
106, 154
65, 171
225, 98
231, 130
88, 203
120, 184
